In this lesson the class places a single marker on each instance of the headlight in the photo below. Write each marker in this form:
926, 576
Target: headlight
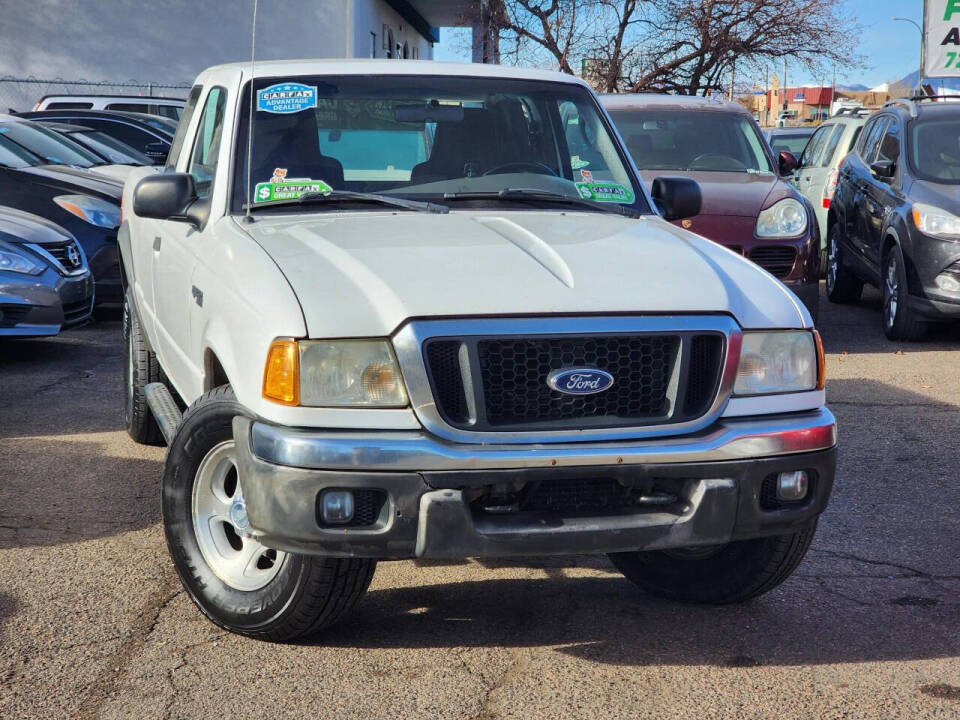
779, 362
333, 373
90, 209
12, 259
787, 218
934, 221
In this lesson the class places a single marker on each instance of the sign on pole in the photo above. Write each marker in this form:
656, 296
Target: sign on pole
941, 38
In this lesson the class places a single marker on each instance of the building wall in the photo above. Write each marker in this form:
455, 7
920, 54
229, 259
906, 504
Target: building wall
171, 41
369, 19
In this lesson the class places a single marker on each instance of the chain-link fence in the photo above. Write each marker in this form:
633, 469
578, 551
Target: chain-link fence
21, 94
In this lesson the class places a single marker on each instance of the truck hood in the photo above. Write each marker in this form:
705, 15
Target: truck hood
365, 273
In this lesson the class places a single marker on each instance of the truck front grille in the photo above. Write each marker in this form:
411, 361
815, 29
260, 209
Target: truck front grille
500, 383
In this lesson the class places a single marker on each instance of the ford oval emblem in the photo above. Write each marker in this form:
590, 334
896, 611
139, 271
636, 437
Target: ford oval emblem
580, 381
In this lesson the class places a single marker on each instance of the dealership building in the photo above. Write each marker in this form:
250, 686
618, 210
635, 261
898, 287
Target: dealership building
170, 42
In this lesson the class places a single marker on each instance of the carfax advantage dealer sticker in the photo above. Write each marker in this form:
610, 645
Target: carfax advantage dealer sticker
284, 98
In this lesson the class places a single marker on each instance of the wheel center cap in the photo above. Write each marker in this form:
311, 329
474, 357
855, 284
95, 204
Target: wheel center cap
238, 514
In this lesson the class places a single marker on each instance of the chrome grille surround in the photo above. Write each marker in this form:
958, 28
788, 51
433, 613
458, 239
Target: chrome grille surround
409, 342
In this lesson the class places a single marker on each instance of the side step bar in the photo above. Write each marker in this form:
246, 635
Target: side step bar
164, 409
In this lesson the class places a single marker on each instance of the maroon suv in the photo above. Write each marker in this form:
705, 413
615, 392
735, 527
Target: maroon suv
748, 206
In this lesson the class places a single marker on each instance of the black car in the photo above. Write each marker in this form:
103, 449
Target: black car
43, 173
45, 284
149, 134
108, 149
895, 217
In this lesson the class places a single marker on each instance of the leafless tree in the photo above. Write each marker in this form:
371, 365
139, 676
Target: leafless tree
684, 46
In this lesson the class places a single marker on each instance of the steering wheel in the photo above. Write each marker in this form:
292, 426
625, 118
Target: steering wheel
716, 162
534, 167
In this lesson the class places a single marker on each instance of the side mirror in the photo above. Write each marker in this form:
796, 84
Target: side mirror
676, 197
883, 169
165, 197
788, 163
157, 151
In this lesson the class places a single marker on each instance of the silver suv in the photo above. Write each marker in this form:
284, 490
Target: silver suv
816, 178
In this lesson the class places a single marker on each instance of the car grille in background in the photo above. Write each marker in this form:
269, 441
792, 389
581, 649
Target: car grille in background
500, 383
11, 315
778, 261
62, 254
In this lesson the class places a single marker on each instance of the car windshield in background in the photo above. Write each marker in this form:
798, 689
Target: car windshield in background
437, 139
692, 140
14, 156
50, 146
110, 148
935, 150
793, 143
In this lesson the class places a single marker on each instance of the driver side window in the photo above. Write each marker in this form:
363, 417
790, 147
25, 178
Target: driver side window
206, 146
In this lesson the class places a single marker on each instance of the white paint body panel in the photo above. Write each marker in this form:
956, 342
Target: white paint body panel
364, 273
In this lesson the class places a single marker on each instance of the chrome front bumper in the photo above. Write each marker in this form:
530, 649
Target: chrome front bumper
428, 483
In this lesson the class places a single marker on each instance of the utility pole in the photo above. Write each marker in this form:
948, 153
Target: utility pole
785, 83
733, 70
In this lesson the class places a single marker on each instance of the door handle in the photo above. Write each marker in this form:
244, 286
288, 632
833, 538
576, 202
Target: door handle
156, 243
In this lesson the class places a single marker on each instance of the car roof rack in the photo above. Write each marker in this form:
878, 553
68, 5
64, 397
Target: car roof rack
852, 111
911, 102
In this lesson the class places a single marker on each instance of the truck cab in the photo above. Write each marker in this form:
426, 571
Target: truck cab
385, 310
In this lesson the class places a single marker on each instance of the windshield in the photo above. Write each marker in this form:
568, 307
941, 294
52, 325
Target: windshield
14, 156
935, 150
692, 140
50, 146
794, 143
424, 138
110, 148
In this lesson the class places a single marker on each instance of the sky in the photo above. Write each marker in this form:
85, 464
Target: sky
891, 49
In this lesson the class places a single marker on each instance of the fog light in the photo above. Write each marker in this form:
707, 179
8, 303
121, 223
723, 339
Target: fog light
948, 281
336, 506
792, 486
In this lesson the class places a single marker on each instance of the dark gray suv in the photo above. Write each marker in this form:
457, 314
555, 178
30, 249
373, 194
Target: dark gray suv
894, 221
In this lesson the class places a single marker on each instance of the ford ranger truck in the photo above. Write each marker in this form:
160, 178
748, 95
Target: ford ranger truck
383, 310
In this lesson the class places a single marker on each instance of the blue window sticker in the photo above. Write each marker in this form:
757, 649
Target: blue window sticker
284, 98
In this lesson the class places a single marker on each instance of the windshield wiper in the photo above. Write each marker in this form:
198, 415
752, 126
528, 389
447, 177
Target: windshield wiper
537, 195
334, 195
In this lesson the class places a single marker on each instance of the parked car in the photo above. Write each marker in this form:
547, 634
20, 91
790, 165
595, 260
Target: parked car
816, 178
165, 107
59, 187
786, 117
108, 149
748, 204
147, 134
45, 284
895, 217
482, 340
792, 140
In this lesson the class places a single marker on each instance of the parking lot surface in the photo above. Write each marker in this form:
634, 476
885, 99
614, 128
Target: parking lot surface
94, 624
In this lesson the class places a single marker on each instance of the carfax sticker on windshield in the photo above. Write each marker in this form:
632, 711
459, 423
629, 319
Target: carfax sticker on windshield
605, 192
284, 98
279, 175
288, 189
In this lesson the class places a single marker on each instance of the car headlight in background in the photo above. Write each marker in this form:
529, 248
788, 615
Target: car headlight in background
333, 373
936, 222
90, 209
780, 362
786, 218
13, 259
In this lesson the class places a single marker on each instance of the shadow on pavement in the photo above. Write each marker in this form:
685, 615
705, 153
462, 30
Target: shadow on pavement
8, 608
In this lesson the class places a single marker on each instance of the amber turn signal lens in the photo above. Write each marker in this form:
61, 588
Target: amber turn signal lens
821, 362
281, 381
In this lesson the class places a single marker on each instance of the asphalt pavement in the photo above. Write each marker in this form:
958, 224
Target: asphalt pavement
94, 624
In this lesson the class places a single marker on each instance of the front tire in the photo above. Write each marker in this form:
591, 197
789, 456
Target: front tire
140, 369
730, 573
236, 582
842, 285
900, 322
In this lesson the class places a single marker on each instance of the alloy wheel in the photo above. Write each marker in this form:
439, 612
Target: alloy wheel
832, 262
221, 526
891, 295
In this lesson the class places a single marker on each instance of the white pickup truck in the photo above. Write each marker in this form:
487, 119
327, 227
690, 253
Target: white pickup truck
421, 310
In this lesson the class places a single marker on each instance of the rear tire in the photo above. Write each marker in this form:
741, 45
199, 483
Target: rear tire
842, 285
236, 582
140, 369
900, 322
731, 573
